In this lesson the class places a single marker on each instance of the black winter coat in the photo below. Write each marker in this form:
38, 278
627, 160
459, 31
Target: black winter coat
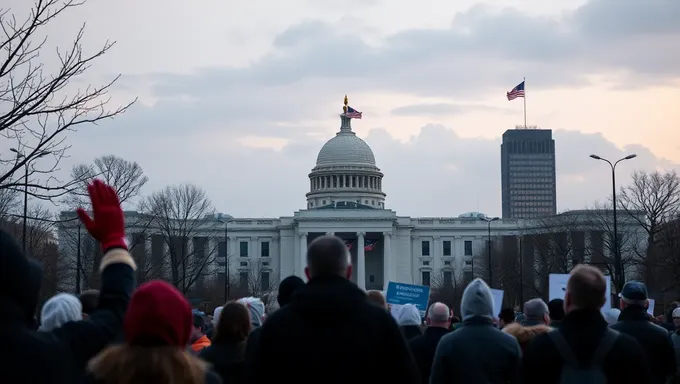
227, 361
655, 341
423, 349
330, 333
583, 330
59, 356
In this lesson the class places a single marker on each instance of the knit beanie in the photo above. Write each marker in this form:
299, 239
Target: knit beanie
256, 308
59, 310
158, 314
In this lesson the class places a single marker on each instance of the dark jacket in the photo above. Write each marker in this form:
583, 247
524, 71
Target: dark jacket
251, 343
423, 348
59, 356
583, 330
655, 341
227, 361
410, 331
334, 335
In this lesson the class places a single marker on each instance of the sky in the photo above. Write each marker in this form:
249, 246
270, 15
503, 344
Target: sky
238, 97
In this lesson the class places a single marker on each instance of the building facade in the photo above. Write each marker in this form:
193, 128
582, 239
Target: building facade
346, 200
528, 177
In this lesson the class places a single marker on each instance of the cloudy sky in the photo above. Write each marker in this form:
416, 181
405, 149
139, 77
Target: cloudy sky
239, 96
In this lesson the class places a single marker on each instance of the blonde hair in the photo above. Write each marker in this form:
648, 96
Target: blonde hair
126, 364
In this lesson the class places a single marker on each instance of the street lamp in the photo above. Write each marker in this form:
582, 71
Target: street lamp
618, 268
489, 220
224, 219
19, 156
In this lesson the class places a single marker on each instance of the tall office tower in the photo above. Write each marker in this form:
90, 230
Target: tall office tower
528, 173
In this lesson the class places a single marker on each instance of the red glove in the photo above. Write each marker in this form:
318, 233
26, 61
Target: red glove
108, 225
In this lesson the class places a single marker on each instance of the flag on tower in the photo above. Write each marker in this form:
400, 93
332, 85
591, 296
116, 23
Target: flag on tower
516, 92
352, 113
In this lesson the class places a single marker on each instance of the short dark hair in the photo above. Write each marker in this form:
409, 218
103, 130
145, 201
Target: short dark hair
587, 287
556, 308
199, 321
90, 300
507, 315
327, 255
287, 288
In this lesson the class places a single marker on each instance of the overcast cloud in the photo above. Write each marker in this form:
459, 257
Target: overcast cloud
246, 119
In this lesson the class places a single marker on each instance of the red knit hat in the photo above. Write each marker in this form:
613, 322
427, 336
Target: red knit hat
158, 314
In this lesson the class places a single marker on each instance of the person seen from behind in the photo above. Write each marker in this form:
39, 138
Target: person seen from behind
438, 322
377, 298
198, 338
536, 322
60, 356
227, 351
506, 317
60, 309
331, 330
90, 301
256, 308
655, 341
409, 321
157, 327
556, 311
584, 349
477, 352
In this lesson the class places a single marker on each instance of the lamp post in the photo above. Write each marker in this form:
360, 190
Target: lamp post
618, 268
489, 220
26, 164
224, 219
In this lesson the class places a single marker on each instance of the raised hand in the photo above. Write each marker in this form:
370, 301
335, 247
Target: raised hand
108, 223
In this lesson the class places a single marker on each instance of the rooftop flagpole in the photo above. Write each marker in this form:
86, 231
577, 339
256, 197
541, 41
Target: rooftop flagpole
524, 80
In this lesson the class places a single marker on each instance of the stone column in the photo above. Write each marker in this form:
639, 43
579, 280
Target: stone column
302, 261
361, 260
388, 260
275, 262
252, 248
437, 252
330, 233
415, 258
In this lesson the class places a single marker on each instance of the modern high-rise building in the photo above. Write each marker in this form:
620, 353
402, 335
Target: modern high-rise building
528, 173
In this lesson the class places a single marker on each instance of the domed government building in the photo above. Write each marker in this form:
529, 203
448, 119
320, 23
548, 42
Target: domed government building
346, 199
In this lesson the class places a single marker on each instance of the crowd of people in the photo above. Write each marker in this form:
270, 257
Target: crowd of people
326, 330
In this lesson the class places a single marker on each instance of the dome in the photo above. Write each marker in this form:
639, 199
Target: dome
345, 148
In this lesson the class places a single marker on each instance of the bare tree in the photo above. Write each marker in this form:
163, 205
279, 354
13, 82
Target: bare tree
668, 258
447, 288
38, 109
258, 281
9, 203
505, 264
178, 214
126, 177
657, 196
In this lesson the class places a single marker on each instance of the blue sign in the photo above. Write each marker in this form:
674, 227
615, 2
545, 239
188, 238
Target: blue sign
401, 293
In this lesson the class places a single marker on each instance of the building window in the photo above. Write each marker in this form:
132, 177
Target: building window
426, 263
425, 248
222, 250
448, 278
446, 247
371, 279
243, 279
243, 248
264, 281
425, 276
468, 247
447, 263
244, 264
264, 249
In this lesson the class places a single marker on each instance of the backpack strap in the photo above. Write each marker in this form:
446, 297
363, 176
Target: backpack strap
606, 344
563, 348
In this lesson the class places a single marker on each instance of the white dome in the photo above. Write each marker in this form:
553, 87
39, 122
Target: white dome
345, 148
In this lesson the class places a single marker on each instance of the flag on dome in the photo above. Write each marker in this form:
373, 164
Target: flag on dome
369, 245
352, 113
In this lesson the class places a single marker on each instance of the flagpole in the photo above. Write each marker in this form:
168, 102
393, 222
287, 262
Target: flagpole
524, 80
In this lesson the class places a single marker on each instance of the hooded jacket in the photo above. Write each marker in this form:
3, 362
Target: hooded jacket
256, 308
409, 321
58, 356
477, 352
59, 310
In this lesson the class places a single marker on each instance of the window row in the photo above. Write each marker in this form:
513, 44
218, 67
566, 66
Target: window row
446, 248
426, 278
345, 181
243, 250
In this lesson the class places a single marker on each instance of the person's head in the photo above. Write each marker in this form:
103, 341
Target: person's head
586, 289
506, 317
90, 301
328, 256
256, 308
408, 315
198, 328
634, 293
536, 311
59, 310
556, 309
157, 327
233, 326
439, 315
612, 315
20, 278
216, 316
287, 288
377, 298
676, 317
477, 301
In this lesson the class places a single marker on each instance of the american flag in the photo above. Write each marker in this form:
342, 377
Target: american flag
349, 244
369, 245
516, 92
352, 113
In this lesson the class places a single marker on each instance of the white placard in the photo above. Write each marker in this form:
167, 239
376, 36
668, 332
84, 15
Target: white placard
650, 309
497, 295
558, 286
